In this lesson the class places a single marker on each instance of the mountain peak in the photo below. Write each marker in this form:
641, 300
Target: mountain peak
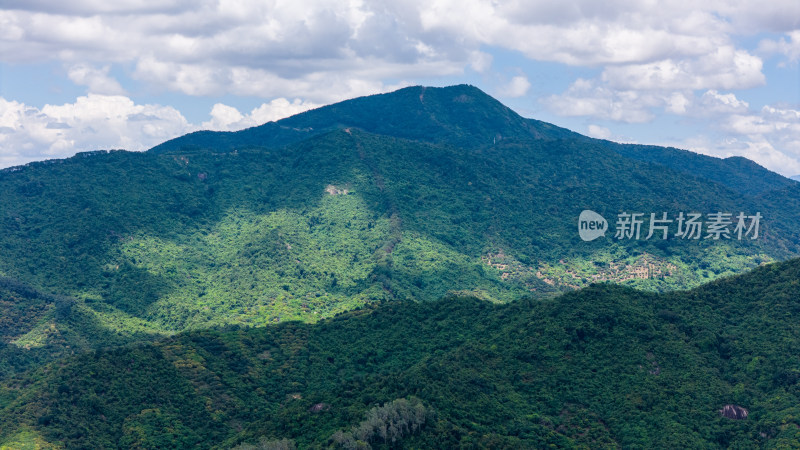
460, 115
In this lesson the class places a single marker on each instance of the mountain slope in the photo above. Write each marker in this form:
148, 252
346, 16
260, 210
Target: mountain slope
737, 173
465, 117
188, 240
604, 366
149, 244
37, 328
462, 116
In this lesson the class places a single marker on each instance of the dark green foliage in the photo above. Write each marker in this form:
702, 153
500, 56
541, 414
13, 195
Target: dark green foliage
239, 241
268, 444
448, 192
603, 367
36, 328
461, 116
736, 173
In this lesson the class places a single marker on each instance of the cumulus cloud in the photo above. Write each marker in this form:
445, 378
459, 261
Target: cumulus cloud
324, 87
589, 98
220, 47
790, 49
223, 117
92, 122
97, 80
776, 16
712, 102
724, 68
98, 121
228, 118
770, 121
599, 132
279, 108
517, 87
757, 149
770, 136
320, 50
638, 92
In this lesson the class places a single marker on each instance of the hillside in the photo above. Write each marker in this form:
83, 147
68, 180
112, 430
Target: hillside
36, 328
412, 195
736, 173
462, 116
604, 366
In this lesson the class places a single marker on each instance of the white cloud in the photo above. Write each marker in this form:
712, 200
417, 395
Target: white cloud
599, 132
224, 117
480, 61
96, 122
100, 6
219, 47
749, 16
228, 118
324, 87
278, 109
724, 68
581, 32
770, 137
517, 87
712, 102
789, 49
770, 121
677, 103
92, 122
97, 80
756, 149
588, 98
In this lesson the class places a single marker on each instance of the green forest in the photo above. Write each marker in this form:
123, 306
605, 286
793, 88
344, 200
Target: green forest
606, 366
395, 271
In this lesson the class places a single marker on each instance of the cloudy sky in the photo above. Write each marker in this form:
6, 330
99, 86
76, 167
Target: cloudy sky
720, 77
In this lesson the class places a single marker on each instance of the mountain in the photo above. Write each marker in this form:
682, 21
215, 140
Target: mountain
605, 366
796, 178
461, 116
412, 195
736, 173
36, 328
415, 194
403, 270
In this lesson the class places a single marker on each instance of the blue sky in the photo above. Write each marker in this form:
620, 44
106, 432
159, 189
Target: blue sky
720, 78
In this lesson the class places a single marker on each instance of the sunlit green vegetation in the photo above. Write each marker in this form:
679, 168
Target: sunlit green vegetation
255, 227
387, 272
604, 366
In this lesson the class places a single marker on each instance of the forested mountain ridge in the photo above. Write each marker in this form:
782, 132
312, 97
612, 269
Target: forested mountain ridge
412, 195
391, 271
605, 366
462, 116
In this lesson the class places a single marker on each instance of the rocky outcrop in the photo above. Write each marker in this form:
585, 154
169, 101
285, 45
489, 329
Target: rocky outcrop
733, 412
